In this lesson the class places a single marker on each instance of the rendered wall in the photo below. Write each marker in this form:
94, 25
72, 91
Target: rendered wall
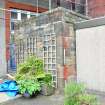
90, 55
2, 40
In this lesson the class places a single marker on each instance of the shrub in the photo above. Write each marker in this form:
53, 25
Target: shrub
30, 75
30, 86
75, 94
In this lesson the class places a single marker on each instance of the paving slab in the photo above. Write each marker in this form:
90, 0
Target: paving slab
39, 100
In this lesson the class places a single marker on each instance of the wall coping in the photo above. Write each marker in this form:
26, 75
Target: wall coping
91, 23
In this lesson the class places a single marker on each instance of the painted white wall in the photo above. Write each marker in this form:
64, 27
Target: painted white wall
2, 41
90, 55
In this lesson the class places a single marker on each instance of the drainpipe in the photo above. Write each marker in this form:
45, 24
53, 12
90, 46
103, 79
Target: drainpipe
37, 7
49, 5
86, 8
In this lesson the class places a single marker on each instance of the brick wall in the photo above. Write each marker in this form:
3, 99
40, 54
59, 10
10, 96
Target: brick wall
96, 8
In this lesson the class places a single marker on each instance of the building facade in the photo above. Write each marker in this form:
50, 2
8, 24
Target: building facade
10, 12
96, 8
41, 36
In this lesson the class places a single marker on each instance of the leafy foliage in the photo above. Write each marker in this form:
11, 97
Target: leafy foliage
24, 68
35, 63
75, 95
30, 75
48, 79
32, 64
74, 88
29, 86
88, 99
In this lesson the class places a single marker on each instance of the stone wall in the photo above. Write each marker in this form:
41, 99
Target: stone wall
54, 41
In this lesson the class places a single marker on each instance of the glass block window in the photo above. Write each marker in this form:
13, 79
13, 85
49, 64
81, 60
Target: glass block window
49, 55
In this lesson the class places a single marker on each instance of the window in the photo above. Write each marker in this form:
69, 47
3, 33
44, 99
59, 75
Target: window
73, 6
58, 2
20, 15
12, 26
23, 16
33, 15
13, 15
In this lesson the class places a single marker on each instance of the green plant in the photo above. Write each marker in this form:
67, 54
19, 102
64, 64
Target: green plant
32, 66
88, 99
30, 86
35, 63
47, 85
47, 79
23, 68
30, 75
75, 94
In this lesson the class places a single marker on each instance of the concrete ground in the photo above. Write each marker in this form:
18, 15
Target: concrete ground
4, 97
100, 96
39, 100
101, 100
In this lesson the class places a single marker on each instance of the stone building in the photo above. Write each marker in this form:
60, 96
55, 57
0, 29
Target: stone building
50, 36
12, 11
